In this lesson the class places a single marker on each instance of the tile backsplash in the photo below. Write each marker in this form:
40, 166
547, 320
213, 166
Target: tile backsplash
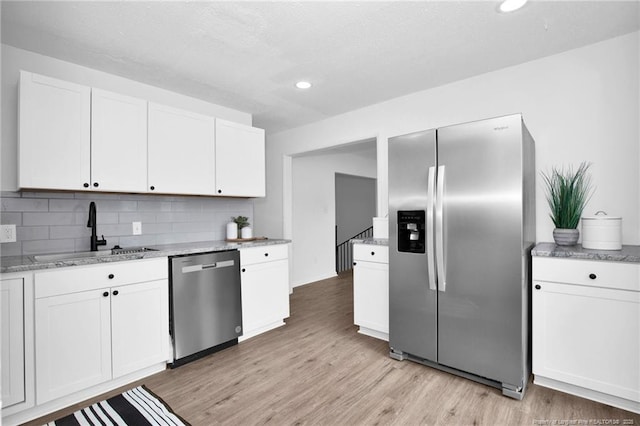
48, 222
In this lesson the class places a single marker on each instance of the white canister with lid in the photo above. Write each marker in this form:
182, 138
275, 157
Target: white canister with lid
602, 232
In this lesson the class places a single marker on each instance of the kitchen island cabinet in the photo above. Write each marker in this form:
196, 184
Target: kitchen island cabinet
264, 275
586, 329
240, 160
371, 290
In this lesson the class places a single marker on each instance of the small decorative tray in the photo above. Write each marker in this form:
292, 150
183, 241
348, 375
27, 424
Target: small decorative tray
244, 240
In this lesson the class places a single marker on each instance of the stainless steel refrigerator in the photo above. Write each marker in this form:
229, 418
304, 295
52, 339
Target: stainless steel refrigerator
461, 229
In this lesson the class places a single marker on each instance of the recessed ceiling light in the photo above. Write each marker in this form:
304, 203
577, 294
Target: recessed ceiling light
511, 5
303, 85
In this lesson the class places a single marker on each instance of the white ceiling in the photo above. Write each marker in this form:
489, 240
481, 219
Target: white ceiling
248, 55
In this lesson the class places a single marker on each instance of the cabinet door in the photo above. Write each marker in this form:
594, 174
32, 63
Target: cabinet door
118, 142
140, 326
265, 294
73, 343
12, 323
181, 151
587, 336
54, 133
240, 160
371, 295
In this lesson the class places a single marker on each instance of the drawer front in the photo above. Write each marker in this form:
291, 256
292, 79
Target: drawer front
371, 253
91, 277
618, 275
263, 254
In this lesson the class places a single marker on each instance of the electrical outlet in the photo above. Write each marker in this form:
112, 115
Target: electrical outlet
7, 233
137, 228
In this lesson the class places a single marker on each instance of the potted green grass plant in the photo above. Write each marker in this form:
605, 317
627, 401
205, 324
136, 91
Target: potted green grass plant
567, 192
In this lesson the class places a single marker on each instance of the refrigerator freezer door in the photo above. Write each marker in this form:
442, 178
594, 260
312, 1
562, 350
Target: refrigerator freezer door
412, 304
480, 314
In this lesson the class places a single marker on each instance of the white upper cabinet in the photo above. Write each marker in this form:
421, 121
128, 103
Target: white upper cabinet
54, 133
181, 151
78, 138
118, 142
240, 160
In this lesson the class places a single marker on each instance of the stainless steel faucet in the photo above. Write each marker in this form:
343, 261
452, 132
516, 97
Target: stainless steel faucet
92, 223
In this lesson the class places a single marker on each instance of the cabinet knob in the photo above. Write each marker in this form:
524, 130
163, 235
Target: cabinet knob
86, 185
96, 184
219, 191
105, 294
111, 276
373, 253
354, 263
593, 276
243, 269
152, 187
115, 292
266, 254
538, 287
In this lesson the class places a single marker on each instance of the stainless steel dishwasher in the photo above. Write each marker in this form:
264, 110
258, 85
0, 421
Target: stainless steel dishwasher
205, 304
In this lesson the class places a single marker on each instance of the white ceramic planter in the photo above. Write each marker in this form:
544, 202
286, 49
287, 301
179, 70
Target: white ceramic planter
566, 237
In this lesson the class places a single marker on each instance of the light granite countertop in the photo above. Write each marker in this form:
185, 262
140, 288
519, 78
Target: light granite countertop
26, 263
627, 254
371, 241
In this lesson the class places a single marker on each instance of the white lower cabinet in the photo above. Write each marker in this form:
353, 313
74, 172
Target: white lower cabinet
265, 288
12, 323
371, 289
73, 343
95, 324
586, 329
139, 326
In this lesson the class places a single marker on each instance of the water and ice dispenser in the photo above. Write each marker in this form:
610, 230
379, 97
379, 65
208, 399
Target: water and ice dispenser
411, 231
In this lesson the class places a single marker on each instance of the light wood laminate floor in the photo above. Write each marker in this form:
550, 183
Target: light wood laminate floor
318, 370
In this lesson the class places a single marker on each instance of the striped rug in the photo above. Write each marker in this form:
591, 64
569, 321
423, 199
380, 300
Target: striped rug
135, 407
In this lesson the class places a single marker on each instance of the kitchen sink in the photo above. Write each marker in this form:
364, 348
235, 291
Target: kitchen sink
90, 254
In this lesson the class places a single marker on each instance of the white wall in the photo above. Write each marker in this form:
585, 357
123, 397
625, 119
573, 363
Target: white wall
14, 60
581, 105
313, 191
355, 204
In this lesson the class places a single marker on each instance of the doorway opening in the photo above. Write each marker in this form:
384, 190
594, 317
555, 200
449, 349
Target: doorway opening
355, 206
313, 204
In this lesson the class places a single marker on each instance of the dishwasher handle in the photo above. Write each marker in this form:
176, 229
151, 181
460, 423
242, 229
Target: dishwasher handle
201, 267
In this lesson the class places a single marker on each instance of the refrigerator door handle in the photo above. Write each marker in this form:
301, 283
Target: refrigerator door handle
442, 277
431, 192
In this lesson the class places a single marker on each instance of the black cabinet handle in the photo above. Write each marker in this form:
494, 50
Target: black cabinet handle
354, 263
219, 191
115, 293
152, 187
243, 270
111, 276
538, 287
86, 185
105, 294
373, 253
593, 276
95, 184
266, 254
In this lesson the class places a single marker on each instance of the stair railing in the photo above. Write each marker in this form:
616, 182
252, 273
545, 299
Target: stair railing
344, 250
